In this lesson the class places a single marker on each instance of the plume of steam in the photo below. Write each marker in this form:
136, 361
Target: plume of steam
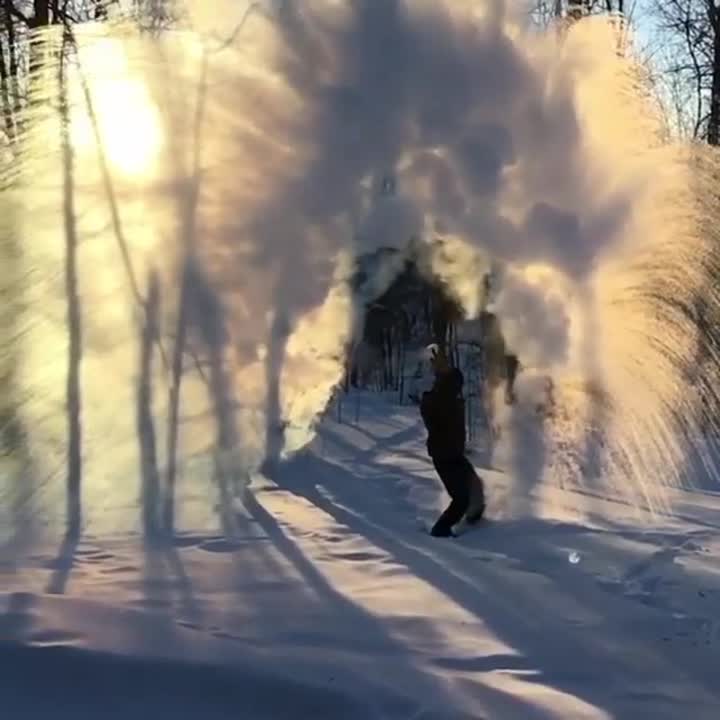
247, 173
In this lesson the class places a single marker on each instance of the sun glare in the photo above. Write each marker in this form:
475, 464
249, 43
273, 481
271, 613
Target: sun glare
120, 114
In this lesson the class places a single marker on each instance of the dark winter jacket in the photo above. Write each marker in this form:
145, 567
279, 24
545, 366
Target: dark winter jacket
443, 411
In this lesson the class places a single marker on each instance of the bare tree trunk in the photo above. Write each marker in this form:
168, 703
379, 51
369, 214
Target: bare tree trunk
189, 210
41, 14
714, 120
73, 409
145, 424
5, 98
12, 52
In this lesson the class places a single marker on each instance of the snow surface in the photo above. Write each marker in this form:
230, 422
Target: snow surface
321, 598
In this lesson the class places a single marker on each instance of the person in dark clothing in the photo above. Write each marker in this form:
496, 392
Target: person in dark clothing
443, 412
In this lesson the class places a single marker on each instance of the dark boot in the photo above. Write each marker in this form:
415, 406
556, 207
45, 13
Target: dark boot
441, 530
454, 475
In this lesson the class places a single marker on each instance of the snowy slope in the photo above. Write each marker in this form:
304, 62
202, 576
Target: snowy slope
322, 599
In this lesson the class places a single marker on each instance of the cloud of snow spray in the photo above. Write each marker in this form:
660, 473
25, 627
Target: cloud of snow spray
202, 231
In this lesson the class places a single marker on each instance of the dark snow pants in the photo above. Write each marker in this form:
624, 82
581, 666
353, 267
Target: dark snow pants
457, 475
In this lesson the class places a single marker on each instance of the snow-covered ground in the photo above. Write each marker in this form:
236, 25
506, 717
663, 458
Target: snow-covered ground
322, 598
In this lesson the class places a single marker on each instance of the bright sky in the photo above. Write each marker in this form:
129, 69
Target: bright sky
642, 21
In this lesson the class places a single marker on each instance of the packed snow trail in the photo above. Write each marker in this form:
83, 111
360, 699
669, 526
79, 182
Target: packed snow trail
323, 600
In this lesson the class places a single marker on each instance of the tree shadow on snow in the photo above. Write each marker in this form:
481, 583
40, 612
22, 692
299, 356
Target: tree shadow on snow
163, 570
564, 632
363, 624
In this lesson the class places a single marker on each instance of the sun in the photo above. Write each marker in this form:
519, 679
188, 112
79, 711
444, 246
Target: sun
113, 107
